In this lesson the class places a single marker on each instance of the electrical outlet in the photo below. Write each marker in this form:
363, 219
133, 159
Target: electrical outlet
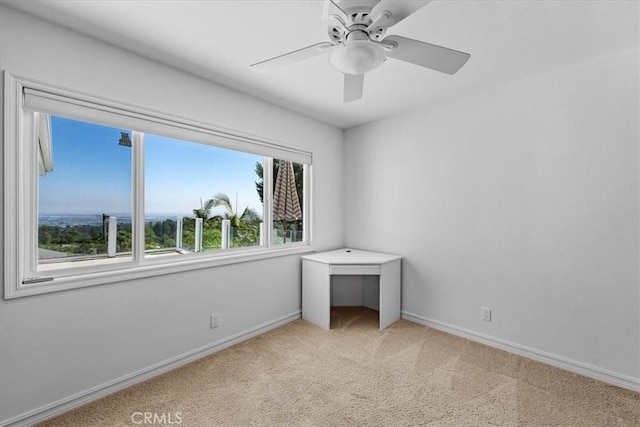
215, 319
485, 314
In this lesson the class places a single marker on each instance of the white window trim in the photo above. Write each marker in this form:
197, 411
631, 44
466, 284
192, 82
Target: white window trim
17, 209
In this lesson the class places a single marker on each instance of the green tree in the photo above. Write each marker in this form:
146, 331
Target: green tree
44, 236
150, 238
123, 239
165, 232
211, 237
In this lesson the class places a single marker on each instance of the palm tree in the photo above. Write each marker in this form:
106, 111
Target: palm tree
245, 225
222, 200
204, 211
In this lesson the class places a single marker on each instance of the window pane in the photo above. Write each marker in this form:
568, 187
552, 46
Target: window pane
199, 197
288, 189
84, 191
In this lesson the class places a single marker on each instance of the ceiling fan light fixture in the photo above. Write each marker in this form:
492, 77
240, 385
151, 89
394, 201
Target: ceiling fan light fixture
357, 56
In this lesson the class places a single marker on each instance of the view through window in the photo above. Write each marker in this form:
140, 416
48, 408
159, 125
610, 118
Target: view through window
198, 197
84, 197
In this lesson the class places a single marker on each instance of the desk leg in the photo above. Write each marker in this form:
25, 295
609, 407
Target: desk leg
316, 293
389, 293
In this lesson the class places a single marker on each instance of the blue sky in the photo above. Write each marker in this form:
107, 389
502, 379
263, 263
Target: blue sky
201, 172
92, 173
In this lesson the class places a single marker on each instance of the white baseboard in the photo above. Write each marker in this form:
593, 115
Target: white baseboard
71, 402
603, 375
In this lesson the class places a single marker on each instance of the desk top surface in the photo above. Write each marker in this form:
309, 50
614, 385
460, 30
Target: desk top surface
351, 256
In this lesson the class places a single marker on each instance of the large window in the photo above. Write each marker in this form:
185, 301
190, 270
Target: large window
103, 192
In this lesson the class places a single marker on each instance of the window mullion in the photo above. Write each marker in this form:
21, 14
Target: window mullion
307, 204
137, 178
267, 192
29, 193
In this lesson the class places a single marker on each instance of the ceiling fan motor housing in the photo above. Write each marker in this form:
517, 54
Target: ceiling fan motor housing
362, 18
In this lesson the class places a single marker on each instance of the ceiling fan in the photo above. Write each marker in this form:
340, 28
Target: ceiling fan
358, 44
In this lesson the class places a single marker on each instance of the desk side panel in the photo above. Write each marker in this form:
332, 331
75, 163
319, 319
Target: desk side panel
316, 293
390, 293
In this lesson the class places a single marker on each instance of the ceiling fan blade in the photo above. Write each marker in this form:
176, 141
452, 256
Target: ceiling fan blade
349, 6
427, 55
295, 56
333, 7
399, 9
353, 85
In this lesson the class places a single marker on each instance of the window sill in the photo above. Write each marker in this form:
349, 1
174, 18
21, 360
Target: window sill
151, 269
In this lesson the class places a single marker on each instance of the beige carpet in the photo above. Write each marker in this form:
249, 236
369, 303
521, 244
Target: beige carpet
356, 375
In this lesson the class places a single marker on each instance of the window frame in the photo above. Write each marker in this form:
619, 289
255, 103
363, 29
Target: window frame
20, 194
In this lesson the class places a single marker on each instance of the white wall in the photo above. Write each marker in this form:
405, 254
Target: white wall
55, 346
522, 198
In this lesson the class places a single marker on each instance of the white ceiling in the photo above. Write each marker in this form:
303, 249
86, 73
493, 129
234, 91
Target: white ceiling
218, 40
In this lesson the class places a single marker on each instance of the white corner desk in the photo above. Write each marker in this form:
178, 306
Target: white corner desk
318, 268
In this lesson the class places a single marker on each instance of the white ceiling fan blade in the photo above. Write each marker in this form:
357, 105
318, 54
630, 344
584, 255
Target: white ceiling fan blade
353, 85
399, 9
295, 56
334, 7
350, 6
427, 55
